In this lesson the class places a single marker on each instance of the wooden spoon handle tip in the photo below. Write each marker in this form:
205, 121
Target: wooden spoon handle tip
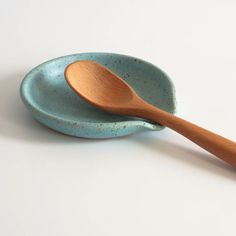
219, 146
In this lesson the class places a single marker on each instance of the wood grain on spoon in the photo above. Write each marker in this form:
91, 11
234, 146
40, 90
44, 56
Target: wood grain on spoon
106, 90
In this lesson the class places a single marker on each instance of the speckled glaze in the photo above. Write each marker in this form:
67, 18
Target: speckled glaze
52, 102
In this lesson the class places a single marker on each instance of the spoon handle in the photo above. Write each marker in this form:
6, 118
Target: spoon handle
219, 146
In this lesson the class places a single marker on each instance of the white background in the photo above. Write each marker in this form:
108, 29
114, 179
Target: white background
153, 183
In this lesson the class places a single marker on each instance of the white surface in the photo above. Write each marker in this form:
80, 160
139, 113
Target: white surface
146, 184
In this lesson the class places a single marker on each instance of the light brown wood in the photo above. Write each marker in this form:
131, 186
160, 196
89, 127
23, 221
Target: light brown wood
106, 90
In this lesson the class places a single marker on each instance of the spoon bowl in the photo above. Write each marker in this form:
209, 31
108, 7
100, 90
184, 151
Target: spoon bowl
100, 89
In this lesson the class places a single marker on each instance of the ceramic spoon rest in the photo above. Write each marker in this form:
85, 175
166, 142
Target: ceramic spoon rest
53, 103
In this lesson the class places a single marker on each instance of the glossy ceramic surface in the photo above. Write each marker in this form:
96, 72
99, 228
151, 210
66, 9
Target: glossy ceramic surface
52, 102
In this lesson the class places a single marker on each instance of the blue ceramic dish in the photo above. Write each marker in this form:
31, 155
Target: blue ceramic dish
53, 103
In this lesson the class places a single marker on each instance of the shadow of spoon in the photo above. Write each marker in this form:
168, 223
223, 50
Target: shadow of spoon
189, 156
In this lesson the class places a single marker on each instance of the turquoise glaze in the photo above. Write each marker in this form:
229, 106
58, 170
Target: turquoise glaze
52, 102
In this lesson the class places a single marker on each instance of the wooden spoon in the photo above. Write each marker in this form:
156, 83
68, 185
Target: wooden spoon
106, 90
